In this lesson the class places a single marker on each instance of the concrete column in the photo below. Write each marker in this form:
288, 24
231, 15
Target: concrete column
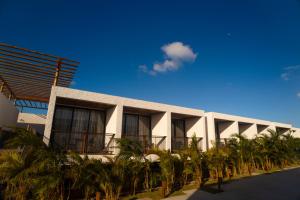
210, 130
161, 126
251, 132
114, 117
228, 128
261, 128
50, 115
196, 126
272, 127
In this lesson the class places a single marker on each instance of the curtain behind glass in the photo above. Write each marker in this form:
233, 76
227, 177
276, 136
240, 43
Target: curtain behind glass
62, 125
79, 130
178, 134
179, 128
144, 130
96, 135
130, 127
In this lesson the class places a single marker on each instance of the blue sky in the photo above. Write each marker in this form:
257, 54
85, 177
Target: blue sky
233, 56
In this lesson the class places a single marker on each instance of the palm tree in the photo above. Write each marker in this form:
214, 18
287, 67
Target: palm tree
196, 160
131, 151
244, 149
113, 178
216, 158
167, 168
187, 167
84, 173
15, 174
41, 167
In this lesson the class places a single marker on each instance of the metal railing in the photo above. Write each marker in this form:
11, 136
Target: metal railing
179, 143
83, 142
144, 140
148, 142
159, 142
105, 143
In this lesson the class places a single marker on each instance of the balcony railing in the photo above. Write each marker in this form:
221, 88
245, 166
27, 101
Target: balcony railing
100, 143
83, 142
148, 142
179, 143
159, 142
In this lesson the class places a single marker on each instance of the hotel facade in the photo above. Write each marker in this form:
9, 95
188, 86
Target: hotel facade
90, 123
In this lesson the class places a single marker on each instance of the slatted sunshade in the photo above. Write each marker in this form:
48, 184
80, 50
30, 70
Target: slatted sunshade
27, 76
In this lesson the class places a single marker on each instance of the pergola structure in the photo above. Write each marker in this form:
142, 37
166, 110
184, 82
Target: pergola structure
27, 76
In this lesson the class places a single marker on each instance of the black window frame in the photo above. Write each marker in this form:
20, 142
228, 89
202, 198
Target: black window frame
124, 121
104, 112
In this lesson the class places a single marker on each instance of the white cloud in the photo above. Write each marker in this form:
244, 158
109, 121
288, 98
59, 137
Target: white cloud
176, 54
178, 51
298, 94
290, 72
167, 65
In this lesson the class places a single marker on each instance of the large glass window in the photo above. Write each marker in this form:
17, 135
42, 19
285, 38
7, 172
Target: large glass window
178, 134
80, 130
137, 127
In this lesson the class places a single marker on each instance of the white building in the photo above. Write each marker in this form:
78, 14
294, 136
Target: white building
89, 122
95, 120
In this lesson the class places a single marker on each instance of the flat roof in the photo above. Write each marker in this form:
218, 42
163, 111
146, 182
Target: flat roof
229, 117
27, 76
67, 93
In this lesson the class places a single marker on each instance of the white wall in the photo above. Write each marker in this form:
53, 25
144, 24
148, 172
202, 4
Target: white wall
161, 126
8, 113
228, 128
50, 114
31, 118
196, 126
249, 130
35, 122
296, 132
236, 124
211, 131
261, 129
113, 125
114, 120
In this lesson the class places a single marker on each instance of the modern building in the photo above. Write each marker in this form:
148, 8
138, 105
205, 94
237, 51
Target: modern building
90, 123
221, 126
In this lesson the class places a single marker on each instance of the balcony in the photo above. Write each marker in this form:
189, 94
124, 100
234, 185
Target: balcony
83, 142
179, 143
148, 142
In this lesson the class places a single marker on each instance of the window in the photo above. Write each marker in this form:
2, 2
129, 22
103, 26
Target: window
178, 134
80, 130
137, 127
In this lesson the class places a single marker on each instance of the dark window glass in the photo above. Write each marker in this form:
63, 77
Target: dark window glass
130, 126
62, 125
96, 136
178, 134
79, 130
144, 130
137, 127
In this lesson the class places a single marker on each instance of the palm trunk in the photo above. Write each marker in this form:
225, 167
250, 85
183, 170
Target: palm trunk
97, 195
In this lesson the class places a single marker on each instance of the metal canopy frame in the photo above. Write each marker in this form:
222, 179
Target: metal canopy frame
27, 76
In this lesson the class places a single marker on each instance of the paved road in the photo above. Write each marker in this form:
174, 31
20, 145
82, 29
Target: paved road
277, 186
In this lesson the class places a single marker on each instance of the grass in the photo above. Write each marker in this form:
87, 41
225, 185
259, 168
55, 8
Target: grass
209, 185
